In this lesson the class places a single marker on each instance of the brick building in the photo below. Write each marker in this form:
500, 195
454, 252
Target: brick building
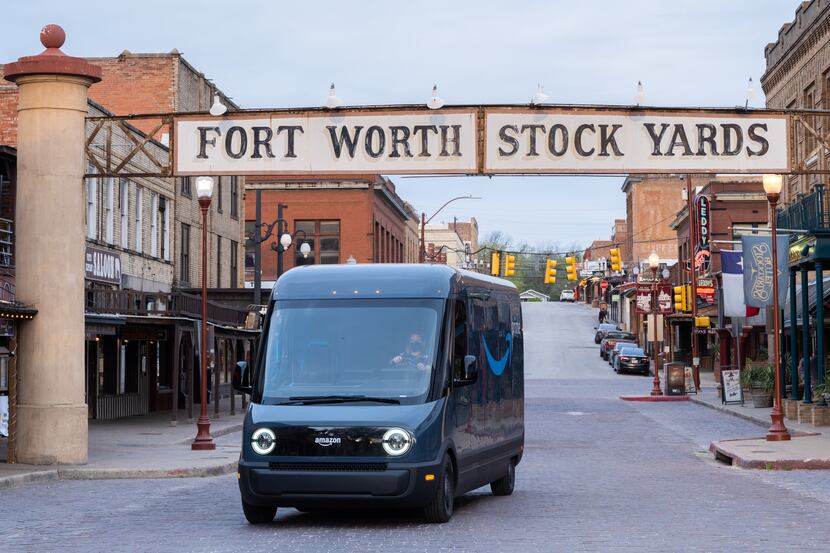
599, 249
619, 237
359, 216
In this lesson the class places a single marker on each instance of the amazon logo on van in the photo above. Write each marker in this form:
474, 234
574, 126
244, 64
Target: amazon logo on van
497, 366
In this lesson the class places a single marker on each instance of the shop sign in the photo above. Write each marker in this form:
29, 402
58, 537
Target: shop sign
801, 249
643, 299
665, 299
481, 140
706, 289
702, 248
102, 265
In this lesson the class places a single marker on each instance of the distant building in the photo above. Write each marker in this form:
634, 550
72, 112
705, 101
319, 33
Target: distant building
619, 237
445, 245
599, 249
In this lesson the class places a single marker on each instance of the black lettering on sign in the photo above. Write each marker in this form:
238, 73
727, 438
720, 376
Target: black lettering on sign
509, 140
204, 141
531, 149
345, 137
289, 144
424, 130
752, 134
578, 140
455, 140
730, 129
370, 141
656, 138
562, 131
607, 139
243, 142
262, 138
706, 134
400, 135
679, 138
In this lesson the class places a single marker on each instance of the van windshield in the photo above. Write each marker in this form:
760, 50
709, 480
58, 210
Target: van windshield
377, 348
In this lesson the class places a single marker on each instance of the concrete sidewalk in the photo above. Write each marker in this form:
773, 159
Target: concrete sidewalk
808, 449
141, 447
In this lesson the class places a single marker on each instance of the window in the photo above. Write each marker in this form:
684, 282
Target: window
184, 274
218, 194
235, 197
154, 227
92, 209
109, 192
139, 219
234, 265
124, 198
810, 103
459, 339
186, 187
218, 261
324, 239
164, 207
250, 249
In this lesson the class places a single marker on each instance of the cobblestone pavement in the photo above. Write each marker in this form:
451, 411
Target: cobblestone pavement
599, 474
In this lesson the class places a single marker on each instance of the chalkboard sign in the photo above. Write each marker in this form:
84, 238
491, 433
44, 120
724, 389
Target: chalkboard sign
731, 391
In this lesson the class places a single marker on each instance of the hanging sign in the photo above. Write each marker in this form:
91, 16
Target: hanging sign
481, 140
665, 299
102, 265
706, 289
643, 299
703, 252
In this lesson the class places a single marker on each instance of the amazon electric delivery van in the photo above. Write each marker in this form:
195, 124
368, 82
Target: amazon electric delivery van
382, 385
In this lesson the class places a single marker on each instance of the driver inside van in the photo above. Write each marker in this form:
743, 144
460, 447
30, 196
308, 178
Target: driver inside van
414, 355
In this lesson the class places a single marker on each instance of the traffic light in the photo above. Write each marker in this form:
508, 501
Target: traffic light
570, 267
494, 264
702, 322
616, 262
680, 298
689, 297
550, 272
510, 265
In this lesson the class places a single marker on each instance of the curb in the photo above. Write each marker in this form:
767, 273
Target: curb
134, 474
762, 422
38, 477
655, 399
230, 429
782, 464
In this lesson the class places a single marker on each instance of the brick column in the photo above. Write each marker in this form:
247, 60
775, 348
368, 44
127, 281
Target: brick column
52, 413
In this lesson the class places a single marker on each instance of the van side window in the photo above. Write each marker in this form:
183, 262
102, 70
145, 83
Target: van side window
459, 338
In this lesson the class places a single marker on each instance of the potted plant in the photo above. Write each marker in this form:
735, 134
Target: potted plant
760, 380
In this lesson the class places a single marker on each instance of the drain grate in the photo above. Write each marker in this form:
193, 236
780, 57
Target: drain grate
721, 458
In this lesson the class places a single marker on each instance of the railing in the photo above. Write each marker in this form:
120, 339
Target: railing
807, 213
6, 243
171, 304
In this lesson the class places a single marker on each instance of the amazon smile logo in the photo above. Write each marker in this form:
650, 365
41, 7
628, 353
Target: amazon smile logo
497, 366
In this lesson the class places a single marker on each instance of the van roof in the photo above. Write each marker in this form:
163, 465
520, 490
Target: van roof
374, 280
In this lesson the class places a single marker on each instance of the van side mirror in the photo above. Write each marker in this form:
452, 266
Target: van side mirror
241, 379
470, 372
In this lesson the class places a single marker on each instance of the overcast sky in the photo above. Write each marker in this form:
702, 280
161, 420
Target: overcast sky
281, 54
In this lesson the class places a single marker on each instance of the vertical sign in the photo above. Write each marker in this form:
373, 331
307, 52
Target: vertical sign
703, 251
643, 299
665, 299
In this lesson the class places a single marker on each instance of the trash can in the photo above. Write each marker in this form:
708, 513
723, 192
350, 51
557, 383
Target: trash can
674, 376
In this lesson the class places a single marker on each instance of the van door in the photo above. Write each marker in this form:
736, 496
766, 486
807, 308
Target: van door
461, 395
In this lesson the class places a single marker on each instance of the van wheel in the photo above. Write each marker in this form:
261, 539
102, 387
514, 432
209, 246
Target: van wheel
258, 515
504, 485
441, 506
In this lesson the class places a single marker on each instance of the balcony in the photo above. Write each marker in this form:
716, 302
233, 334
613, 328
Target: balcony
161, 304
806, 214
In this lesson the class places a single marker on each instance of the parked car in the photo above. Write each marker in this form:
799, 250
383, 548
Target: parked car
566, 295
602, 329
611, 338
631, 360
615, 351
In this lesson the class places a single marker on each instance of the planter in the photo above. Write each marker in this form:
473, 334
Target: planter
790, 408
760, 398
821, 416
805, 412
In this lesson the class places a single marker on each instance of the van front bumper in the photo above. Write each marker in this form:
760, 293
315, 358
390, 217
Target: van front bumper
317, 484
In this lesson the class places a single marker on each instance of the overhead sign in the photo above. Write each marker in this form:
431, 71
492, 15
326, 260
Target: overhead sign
481, 140
328, 142
102, 265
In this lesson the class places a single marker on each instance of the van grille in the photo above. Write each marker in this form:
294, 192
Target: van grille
329, 467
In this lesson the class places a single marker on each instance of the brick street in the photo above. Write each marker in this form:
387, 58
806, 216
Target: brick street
599, 474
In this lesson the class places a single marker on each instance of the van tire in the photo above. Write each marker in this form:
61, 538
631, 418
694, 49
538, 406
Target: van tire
439, 509
258, 515
505, 484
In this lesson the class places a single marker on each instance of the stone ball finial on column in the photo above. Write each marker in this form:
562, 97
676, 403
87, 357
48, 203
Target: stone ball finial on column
52, 36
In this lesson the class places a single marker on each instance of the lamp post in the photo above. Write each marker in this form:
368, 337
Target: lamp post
654, 264
257, 237
422, 253
777, 431
203, 440
286, 239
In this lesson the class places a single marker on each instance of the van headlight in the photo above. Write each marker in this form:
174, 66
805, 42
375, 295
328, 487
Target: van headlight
263, 441
397, 441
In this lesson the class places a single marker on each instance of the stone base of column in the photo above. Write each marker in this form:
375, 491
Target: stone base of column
790, 407
52, 434
821, 416
805, 412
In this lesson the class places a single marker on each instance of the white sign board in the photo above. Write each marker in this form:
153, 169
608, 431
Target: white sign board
731, 386
542, 141
328, 142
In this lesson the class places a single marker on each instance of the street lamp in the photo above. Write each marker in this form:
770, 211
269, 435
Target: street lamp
424, 221
203, 440
654, 264
286, 239
777, 431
